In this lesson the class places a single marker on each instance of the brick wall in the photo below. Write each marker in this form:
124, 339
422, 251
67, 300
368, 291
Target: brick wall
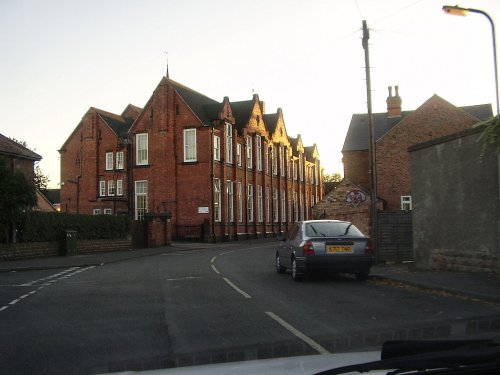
29, 250
335, 206
356, 166
50, 249
83, 165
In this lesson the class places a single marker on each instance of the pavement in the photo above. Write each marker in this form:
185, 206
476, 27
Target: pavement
483, 287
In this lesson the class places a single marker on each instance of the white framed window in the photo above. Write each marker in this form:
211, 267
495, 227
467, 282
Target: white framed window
141, 156
294, 167
258, 152
275, 160
119, 187
296, 206
190, 145
111, 188
217, 200
260, 204
289, 207
275, 205
102, 188
230, 200
141, 199
238, 154
268, 205
250, 203
249, 153
406, 203
301, 168
283, 206
216, 147
282, 160
266, 156
108, 211
240, 202
287, 161
119, 160
96, 211
109, 161
229, 143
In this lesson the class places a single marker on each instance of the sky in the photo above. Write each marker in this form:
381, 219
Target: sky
61, 57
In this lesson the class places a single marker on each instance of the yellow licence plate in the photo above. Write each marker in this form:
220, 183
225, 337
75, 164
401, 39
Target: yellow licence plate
339, 249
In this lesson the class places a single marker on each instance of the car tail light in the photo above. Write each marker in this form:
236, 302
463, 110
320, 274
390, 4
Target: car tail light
369, 247
308, 248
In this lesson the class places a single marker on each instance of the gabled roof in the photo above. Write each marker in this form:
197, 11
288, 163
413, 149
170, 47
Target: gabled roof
205, 108
357, 135
271, 121
120, 125
241, 112
12, 148
311, 152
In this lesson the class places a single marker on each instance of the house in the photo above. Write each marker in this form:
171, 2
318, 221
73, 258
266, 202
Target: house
18, 157
456, 207
394, 132
217, 170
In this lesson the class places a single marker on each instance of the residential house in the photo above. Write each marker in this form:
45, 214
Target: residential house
394, 132
216, 169
18, 157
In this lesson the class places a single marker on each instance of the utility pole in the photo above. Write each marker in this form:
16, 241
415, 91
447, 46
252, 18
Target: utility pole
371, 143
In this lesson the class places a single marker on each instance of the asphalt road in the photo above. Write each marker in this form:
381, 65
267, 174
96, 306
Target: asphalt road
203, 306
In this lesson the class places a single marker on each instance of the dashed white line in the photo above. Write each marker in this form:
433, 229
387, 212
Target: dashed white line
49, 280
246, 295
309, 341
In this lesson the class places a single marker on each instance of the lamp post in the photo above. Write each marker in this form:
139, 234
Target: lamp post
459, 11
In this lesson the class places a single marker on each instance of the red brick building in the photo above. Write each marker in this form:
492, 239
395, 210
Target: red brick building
394, 131
227, 167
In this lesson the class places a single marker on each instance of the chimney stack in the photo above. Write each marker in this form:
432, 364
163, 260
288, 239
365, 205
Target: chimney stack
393, 103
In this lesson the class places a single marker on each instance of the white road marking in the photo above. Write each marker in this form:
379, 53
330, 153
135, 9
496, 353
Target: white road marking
246, 295
215, 269
213, 259
313, 344
50, 280
184, 278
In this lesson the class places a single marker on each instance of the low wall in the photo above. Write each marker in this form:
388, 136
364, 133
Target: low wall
50, 249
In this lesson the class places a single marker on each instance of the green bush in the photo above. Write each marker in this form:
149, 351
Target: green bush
39, 226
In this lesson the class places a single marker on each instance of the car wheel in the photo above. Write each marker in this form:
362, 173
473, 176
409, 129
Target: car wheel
295, 275
279, 267
362, 275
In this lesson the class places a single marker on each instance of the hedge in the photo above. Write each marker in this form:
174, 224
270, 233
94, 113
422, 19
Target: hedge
37, 226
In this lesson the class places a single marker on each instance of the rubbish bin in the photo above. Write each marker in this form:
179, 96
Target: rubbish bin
69, 243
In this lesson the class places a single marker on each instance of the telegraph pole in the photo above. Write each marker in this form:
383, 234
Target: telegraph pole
371, 144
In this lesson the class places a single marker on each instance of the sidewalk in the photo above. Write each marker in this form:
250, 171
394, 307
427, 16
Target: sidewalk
481, 286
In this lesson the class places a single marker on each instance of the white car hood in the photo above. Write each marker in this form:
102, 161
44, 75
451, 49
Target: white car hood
310, 364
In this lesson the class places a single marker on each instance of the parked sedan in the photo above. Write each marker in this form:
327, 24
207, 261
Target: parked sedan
324, 245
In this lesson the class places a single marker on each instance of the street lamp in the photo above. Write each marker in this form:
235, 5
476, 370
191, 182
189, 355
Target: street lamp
459, 11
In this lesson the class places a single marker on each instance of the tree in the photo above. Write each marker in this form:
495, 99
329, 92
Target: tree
17, 195
492, 132
332, 177
331, 181
41, 180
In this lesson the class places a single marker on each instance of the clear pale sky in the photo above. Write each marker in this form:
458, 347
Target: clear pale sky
60, 57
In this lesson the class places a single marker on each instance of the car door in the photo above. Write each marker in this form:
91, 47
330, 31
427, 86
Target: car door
288, 246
